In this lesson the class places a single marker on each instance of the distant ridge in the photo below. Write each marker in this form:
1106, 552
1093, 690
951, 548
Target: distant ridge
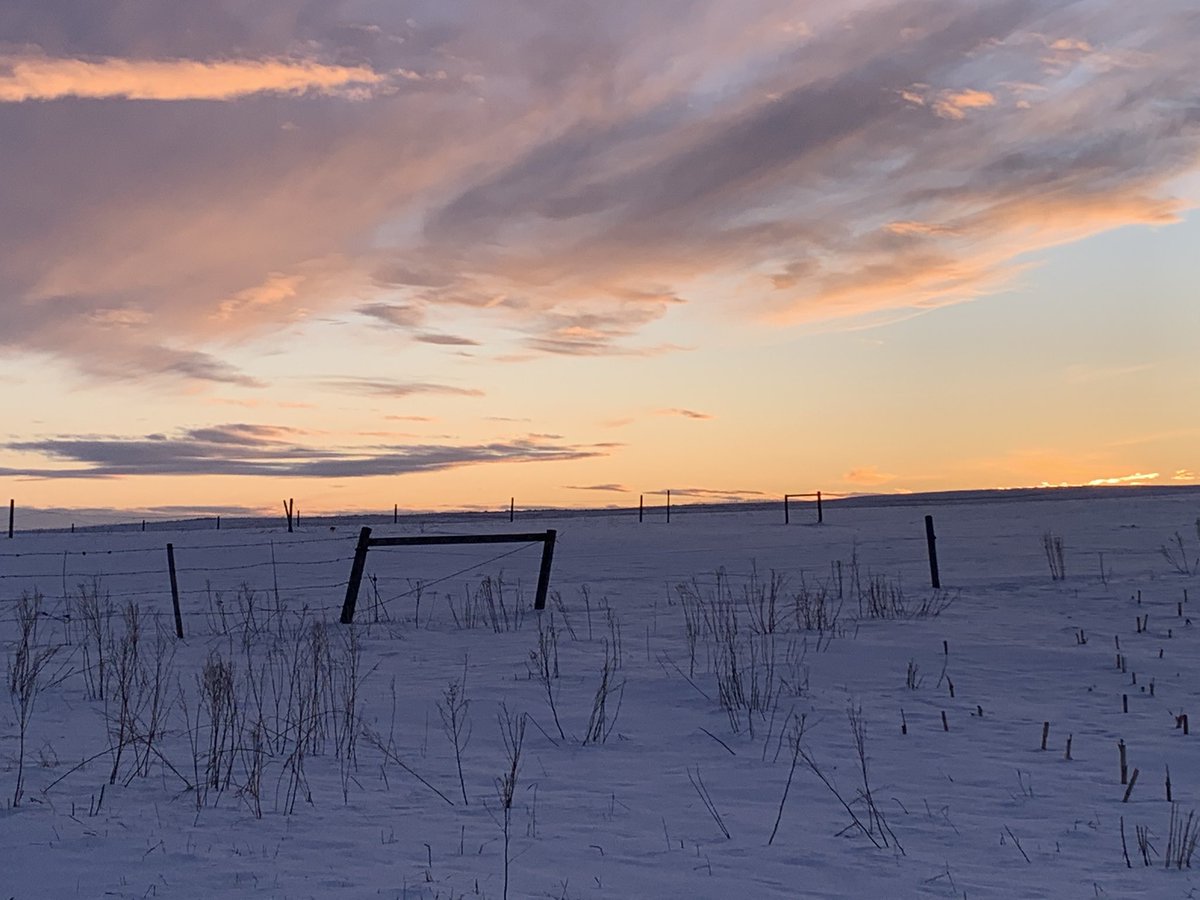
59, 520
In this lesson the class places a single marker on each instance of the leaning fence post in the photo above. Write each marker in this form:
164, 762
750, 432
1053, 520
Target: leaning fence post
174, 591
543, 585
930, 540
356, 574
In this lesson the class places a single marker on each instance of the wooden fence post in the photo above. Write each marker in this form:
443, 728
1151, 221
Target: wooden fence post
820, 510
787, 518
356, 574
288, 506
543, 585
930, 541
12, 510
396, 514
174, 591
512, 508
668, 507
641, 507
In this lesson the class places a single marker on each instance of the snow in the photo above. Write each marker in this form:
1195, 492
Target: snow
978, 810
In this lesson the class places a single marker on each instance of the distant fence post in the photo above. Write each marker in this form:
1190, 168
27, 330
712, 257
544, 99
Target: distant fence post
174, 591
930, 541
218, 523
786, 515
543, 585
641, 507
12, 510
820, 509
512, 508
356, 574
668, 507
396, 514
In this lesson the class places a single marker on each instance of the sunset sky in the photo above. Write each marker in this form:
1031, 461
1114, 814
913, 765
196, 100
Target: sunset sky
443, 253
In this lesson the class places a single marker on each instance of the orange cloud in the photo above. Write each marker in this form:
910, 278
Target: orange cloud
954, 104
277, 289
868, 475
1075, 44
25, 78
923, 229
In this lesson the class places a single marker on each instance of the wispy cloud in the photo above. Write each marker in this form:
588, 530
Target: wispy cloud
868, 476
601, 488
956, 104
402, 315
1136, 478
383, 387
24, 78
685, 413
447, 340
709, 493
267, 451
576, 181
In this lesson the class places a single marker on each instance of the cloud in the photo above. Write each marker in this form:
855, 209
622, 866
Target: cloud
869, 476
400, 315
1136, 478
956, 104
603, 488
576, 183
383, 387
449, 340
268, 451
24, 78
709, 493
685, 413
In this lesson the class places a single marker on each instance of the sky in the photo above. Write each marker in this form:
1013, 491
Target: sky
441, 254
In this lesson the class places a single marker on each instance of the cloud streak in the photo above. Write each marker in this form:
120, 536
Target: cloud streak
25, 78
384, 387
686, 414
270, 451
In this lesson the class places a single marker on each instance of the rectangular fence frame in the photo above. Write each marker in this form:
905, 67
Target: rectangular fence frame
366, 542
787, 513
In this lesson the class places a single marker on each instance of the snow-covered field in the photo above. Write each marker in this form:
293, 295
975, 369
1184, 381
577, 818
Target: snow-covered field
668, 708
